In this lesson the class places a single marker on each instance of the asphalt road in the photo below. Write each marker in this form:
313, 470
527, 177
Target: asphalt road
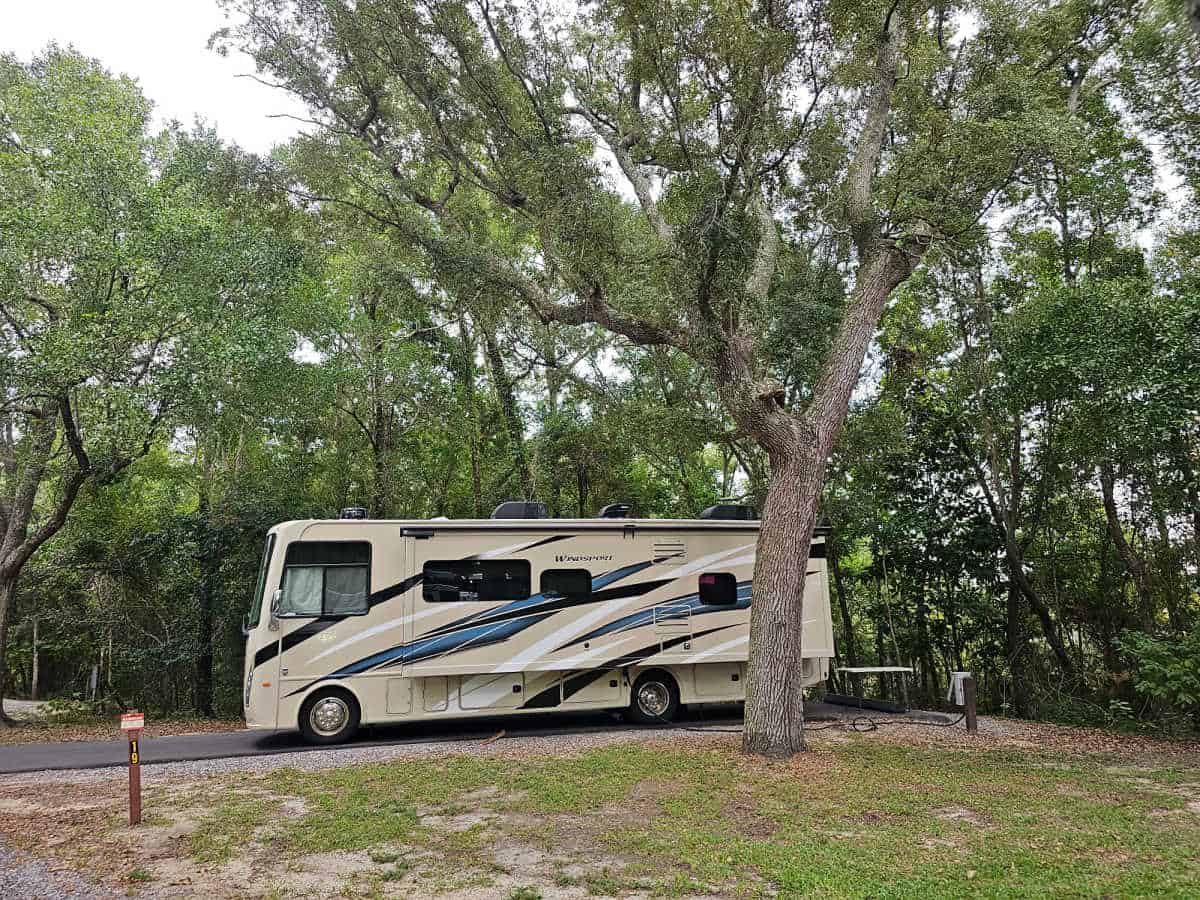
218, 745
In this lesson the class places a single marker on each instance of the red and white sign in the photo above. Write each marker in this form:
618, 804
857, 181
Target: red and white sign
133, 721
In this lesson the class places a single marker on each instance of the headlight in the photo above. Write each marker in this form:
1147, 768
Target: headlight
249, 681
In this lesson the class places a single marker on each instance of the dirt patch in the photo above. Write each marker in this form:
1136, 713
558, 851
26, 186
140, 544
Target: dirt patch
643, 802
962, 814
743, 808
458, 824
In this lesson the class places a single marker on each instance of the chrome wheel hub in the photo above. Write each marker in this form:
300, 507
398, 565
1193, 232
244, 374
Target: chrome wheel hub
329, 715
654, 698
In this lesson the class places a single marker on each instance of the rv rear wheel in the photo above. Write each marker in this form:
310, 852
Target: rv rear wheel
655, 699
329, 716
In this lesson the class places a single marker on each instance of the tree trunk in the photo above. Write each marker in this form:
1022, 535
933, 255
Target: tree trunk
209, 566
8, 594
1138, 570
467, 373
774, 723
33, 668
1015, 647
799, 448
849, 640
506, 394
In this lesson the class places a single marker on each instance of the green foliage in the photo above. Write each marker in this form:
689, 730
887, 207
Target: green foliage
1166, 671
243, 341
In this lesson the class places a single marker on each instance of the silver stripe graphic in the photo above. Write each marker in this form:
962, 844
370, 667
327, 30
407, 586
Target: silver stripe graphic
720, 648
585, 622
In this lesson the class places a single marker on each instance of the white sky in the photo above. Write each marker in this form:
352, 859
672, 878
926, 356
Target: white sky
161, 43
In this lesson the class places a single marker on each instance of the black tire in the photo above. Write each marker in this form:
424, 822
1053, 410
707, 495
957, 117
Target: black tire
654, 699
329, 716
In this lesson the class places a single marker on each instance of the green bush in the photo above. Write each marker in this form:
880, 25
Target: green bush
1167, 672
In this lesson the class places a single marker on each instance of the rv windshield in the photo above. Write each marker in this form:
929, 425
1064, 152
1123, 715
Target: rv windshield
257, 602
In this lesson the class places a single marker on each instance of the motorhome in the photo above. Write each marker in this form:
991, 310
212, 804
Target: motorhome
357, 621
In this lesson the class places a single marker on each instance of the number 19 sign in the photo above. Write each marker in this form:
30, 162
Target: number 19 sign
132, 724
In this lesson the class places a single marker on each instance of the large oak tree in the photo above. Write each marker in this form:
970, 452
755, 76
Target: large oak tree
642, 167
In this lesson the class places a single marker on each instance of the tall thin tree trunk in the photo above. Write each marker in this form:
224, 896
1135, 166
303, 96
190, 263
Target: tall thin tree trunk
33, 668
8, 595
506, 394
849, 639
1015, 650
209, 569
1138, 570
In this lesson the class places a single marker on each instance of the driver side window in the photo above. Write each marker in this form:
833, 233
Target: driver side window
326, 579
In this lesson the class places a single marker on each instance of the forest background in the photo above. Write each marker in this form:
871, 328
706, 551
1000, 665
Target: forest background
199, 342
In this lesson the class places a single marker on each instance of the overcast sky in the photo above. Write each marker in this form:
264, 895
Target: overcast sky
161, 43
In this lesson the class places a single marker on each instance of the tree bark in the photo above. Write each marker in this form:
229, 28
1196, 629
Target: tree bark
848, 637
209, 569
1014, 639
799, 448
34, 675
8, 594
774, 722
506, 394
1136, 566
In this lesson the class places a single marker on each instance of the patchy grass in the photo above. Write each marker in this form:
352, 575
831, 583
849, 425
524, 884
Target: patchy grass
228, 826
859, 816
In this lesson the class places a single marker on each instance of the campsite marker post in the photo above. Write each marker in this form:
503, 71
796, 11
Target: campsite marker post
969, 697
962, 692
132, 724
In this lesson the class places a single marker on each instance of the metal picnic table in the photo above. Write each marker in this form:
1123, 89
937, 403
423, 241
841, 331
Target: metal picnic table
871, 703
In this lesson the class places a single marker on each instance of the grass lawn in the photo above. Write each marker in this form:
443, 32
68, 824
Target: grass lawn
860, 816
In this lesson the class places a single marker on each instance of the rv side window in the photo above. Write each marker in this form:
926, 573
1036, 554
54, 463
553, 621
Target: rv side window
571, 584
718, 589
257, 604
326, 578
475, 580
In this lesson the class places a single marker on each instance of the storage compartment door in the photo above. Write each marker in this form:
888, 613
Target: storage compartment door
399, 696
596, 688
505, 690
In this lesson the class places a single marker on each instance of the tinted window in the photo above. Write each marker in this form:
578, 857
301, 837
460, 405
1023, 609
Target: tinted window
328, 553
718, 589
257, 603
326, 578
573, 584
475, 580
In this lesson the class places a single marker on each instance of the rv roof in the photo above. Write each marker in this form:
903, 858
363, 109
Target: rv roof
427, 525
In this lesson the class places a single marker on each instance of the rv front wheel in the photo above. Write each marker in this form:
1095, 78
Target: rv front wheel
655, 699
329, 716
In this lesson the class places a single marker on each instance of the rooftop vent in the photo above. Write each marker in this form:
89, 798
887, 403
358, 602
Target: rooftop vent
736, 511
353, 512
614, 511
520, 509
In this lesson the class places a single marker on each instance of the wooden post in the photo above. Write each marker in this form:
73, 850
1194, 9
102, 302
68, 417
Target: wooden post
135, 780
968, 685
132, 724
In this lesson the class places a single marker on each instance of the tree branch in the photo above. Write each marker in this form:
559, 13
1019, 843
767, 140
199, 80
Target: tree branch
861, 173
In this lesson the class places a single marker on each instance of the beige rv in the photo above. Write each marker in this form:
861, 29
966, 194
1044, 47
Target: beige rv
360, 621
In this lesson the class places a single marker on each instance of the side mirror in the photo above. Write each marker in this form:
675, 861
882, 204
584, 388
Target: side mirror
246, 625
276, 602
